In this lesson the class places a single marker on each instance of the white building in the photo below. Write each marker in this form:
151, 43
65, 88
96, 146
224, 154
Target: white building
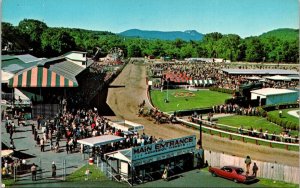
269, 96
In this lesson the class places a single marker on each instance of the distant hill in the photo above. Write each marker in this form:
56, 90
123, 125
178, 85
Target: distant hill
283, 33
163, 35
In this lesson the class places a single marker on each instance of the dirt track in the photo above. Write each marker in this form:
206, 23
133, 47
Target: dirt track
124, 103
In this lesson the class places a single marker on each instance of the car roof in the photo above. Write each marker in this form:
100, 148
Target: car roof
234, 167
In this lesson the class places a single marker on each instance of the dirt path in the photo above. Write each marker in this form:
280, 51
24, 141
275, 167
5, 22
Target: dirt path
124, 102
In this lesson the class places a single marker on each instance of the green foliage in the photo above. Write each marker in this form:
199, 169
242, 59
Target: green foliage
33, 35
32, 31
283, 34
200, 99
56, 42
254, 122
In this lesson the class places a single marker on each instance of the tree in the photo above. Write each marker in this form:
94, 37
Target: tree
56, 42
134, 51
32, 31
254, 49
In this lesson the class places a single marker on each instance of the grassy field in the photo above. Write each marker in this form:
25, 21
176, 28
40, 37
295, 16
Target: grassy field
95, 176
285, 115
180, 99
252, 121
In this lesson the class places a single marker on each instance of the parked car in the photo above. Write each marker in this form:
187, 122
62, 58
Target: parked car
234, 173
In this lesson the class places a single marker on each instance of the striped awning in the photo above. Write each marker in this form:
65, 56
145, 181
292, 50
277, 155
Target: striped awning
40, 77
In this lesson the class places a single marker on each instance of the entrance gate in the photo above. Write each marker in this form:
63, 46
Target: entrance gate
44, 171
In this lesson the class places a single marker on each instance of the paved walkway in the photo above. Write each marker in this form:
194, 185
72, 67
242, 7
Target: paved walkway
25, 146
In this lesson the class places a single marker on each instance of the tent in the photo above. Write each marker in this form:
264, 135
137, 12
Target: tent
279, 78
7, 152
100, 140
253, 78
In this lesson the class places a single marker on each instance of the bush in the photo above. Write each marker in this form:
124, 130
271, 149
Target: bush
283, 123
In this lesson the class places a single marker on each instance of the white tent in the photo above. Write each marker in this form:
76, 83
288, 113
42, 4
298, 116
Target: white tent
7, 152
253, 78
279, 78
100, 140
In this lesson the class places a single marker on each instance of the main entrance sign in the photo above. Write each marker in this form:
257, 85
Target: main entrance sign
166, 146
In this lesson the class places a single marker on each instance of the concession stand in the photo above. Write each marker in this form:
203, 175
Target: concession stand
148, 162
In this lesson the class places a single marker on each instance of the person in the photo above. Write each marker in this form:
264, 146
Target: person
42, 145
165, 174
200, 159
248, 163
280, 113
35, 134
38, 140
33, 172
53, 169
254, 169
23, 166
32, 128
67, 147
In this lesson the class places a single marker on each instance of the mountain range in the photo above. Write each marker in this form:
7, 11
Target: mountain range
163, 35
282, 33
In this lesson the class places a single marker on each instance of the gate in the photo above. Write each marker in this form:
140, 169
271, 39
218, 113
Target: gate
44, 171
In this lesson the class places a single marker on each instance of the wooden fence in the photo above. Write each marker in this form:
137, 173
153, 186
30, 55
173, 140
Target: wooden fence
274, 171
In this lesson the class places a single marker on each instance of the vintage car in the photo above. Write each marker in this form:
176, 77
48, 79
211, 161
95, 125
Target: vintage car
233, 173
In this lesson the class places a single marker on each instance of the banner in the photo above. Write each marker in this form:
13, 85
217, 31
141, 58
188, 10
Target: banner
165, 146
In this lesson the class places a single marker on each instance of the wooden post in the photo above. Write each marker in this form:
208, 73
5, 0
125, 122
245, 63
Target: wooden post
243, 139
220, 134
230, 138
270, 144
256, 142
286, 147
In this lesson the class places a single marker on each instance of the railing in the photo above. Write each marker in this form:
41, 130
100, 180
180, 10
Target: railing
231, 134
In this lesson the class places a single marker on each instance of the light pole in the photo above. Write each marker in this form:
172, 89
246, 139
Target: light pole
167, 90
200, 133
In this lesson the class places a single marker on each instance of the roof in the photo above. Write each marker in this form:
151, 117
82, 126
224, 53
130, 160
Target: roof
272, 91
67, 69
40, 77
278, 77
100, 140
27, 58
260, 71
13, 64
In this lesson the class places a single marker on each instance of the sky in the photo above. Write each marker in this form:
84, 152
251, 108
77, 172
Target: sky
242, 17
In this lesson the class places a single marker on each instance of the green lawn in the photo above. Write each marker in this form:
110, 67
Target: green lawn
254, 121
285, 115
200, 99
95, 176
79, 175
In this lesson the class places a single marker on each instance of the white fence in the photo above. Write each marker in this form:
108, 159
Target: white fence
267, 170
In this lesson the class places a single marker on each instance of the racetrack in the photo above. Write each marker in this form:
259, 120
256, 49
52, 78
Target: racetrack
124, 103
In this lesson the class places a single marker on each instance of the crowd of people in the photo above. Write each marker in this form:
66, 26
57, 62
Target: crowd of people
213, 71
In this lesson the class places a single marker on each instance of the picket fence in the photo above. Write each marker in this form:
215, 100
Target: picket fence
274, 171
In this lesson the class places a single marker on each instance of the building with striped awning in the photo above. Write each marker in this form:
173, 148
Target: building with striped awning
40, 77
54, 72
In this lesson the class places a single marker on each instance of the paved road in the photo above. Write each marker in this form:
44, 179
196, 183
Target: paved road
24, 143
195, 178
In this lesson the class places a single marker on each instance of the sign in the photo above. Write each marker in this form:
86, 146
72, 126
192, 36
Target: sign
163, 156
163, 147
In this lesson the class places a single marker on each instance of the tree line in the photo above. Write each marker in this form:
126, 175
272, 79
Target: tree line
37, 38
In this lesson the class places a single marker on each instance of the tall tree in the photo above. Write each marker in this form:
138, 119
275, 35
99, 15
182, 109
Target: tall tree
32, 30
56, 42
